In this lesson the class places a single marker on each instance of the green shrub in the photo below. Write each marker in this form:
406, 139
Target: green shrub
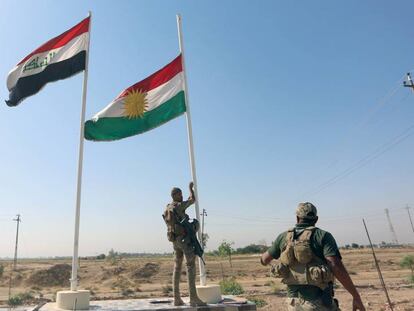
259, 302
231, 287
25, 296
15, 301
1, 270
113, 257
408, 262
19, 299
226, 249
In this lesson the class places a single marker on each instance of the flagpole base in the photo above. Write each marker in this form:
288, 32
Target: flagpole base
73, 300
209, 293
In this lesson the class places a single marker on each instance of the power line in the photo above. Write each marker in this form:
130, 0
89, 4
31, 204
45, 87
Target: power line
281, 221
379, 104
366, 160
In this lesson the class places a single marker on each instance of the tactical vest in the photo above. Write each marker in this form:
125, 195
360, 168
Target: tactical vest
172, 221
299, 265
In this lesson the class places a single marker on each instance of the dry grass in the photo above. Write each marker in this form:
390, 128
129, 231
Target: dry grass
151, 277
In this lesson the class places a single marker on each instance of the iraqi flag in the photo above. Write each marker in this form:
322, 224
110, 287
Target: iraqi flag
59, 58
141, 107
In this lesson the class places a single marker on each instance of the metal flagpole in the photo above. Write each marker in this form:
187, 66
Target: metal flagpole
190, 145
74, 278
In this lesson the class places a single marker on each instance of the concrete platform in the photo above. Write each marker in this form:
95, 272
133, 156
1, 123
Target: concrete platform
165, 304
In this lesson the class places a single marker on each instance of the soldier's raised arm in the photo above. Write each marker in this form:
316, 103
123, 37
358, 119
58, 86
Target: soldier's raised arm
192, 194
191, 199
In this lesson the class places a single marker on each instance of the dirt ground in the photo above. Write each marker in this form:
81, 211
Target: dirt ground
151, 277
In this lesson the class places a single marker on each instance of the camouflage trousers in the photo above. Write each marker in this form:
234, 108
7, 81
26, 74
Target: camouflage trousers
299, 304
183, 248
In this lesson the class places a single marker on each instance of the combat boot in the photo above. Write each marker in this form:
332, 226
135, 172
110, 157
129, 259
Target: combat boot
178, 301
196, 302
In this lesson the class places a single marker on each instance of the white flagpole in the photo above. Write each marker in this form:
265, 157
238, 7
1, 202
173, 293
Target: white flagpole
191, 146
74, 279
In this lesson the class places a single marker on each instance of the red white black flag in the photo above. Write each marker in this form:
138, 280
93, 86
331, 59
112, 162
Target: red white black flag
59, 58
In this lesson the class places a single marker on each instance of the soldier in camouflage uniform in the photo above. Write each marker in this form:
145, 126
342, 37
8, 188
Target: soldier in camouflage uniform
309, 261
173, 214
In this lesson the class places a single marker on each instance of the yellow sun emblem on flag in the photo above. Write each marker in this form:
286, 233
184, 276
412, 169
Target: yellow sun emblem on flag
135, 104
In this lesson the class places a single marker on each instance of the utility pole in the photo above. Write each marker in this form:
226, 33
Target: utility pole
204, 213
409, 83
409, 216
18, 220
394, 235
384, 287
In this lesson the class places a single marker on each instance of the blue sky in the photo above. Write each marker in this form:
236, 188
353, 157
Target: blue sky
284, 96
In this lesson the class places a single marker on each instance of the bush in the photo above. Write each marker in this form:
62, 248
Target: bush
112, 257
26, 296
20, 299
1, 270
15, 301
408, 262
226, 249
259, 302
231, 287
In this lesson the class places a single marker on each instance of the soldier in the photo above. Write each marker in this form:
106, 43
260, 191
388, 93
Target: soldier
309, 261
173, 215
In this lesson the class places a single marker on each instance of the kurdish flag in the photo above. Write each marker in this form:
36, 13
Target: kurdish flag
143, 106
59, 58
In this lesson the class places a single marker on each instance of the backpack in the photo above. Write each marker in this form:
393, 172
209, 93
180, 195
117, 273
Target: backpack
170, 219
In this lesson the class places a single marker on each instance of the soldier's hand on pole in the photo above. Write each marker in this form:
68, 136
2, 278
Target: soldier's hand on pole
191, 187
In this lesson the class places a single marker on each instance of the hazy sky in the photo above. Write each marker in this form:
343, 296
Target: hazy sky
291, 101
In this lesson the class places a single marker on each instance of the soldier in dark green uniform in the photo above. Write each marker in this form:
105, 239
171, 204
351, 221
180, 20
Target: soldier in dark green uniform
309, 261
173, 215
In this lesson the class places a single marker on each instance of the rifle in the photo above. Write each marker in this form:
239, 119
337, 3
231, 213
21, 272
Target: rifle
189, 228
